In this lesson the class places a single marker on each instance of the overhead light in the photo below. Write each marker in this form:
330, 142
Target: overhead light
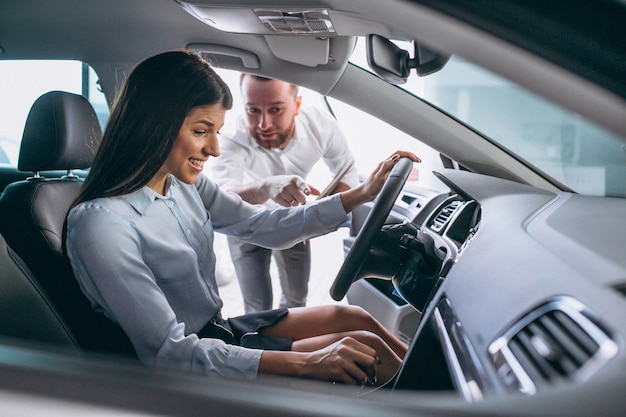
313, 21
264, 21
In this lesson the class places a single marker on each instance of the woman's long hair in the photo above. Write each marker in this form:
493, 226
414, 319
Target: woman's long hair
146, 118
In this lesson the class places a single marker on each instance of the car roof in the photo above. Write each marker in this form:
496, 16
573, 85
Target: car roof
114, 35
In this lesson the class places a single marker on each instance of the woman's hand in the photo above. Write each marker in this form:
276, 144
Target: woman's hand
346, 361
368, 190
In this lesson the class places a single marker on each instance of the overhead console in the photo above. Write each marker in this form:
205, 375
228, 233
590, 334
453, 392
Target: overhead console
301, 35
263, 19
305, 33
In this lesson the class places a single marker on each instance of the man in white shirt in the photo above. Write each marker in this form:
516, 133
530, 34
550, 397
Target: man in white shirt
266, 160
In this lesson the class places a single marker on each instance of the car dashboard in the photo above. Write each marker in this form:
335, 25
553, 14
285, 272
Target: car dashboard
529, 294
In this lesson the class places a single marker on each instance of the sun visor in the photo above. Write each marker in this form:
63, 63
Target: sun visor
226, 56
300, 50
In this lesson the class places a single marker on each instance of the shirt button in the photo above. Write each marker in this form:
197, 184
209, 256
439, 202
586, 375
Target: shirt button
170, 203
187, 232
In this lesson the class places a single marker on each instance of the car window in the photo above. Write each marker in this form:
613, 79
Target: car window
366, 132
561, 144
24, 81
363, 132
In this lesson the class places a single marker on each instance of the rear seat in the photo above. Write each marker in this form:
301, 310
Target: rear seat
62, 132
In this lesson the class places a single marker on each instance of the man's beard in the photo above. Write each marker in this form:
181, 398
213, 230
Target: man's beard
278, 141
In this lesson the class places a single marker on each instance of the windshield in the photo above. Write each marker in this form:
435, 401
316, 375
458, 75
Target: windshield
561, 144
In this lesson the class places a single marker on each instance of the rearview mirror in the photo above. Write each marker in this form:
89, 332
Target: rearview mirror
393, 64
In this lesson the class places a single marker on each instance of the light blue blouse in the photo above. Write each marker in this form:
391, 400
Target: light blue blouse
147, 262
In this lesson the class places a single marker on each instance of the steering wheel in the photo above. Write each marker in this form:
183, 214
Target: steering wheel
375, 220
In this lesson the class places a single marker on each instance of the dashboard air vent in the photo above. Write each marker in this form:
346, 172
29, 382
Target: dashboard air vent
443, 217
558, 341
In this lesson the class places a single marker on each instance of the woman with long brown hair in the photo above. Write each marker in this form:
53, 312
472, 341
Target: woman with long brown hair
140, 240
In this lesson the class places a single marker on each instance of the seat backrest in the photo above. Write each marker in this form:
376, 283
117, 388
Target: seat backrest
62, 132
26, 313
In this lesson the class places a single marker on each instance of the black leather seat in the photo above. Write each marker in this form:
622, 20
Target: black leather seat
62, 132
26, 313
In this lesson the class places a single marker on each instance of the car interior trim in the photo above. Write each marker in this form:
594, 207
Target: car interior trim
468, 377
595, 352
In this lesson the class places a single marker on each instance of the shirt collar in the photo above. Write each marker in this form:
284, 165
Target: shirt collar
142, 199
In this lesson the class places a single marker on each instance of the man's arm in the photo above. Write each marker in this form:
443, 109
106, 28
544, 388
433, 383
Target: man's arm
286, 190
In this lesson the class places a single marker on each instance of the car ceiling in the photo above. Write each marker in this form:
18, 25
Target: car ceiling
134, 29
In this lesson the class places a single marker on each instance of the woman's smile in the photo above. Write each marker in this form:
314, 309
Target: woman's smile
198, 163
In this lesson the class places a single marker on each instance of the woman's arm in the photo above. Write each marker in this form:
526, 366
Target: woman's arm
282, 228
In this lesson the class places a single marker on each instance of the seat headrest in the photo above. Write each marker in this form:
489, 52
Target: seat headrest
62, 132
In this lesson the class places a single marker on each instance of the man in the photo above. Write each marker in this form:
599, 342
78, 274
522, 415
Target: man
266, 160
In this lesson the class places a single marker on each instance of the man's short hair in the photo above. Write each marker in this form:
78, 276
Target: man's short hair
243, 75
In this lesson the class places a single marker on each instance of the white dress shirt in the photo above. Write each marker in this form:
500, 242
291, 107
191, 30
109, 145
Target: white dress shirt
317, 136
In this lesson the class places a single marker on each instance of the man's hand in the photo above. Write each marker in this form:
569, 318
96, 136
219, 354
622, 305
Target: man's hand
288, 190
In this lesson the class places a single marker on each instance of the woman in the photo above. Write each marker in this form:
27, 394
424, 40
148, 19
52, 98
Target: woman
140, 239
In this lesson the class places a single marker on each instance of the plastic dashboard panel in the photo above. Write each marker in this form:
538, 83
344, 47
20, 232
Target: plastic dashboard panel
527, 249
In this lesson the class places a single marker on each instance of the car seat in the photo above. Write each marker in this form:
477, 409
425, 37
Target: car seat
26, 312
62, 132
